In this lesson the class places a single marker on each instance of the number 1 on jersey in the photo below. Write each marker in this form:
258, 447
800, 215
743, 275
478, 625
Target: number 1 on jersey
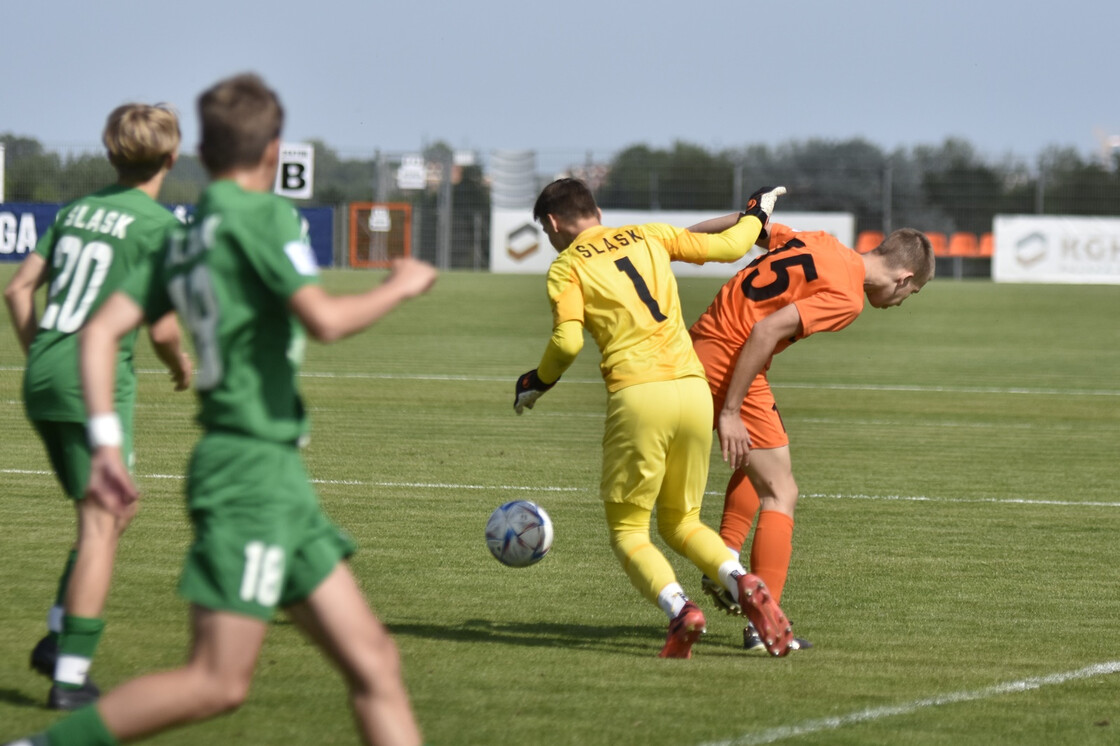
625, 265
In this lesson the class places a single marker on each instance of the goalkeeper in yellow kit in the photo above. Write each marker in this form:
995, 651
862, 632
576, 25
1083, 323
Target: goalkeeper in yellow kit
617, 283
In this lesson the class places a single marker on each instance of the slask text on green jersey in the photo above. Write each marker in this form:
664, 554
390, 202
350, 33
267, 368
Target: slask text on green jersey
94, 244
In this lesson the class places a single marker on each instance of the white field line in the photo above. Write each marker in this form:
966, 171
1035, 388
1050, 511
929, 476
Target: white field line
599, 382
188, 406
825, 386
808, 727
950, 389
357, 483
921, 498
591, 491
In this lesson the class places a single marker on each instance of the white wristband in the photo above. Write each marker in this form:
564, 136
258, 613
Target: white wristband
104, 430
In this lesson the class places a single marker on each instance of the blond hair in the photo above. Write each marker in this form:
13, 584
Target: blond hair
139, 139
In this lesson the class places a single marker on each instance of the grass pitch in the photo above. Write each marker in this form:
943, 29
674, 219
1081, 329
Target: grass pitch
954, 563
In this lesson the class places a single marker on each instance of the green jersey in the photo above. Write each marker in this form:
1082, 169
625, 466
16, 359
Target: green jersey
229, 275
94, 244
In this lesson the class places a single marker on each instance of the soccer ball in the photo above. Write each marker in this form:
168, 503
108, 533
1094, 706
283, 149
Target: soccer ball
519, 533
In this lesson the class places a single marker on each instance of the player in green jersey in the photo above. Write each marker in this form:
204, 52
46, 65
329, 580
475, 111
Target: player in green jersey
245, 282
93, 245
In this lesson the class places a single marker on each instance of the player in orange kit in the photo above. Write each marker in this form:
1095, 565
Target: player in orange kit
806, 282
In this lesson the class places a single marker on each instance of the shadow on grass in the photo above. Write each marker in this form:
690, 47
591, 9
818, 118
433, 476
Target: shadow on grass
635, 640
18, 698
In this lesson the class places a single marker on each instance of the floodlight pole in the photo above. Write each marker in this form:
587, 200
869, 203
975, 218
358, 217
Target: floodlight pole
1040, 189
443, 219
378, 241
737, 187
888, 187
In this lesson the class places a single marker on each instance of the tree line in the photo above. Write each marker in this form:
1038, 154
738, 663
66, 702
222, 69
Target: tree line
946, 187
949, 187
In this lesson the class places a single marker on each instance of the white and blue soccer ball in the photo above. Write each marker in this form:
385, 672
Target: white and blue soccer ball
519, 533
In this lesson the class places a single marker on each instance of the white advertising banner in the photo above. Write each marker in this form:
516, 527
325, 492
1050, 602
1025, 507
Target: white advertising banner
1032, 248
519, 246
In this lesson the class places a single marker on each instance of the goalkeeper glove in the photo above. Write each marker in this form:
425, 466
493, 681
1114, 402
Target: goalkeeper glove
529, 388
761, 205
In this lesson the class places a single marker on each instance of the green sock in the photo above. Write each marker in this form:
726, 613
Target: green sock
83, 728
60, 596
54, 620
76, 646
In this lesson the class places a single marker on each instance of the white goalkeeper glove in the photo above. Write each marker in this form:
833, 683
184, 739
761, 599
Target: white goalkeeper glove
529, 388
761, 205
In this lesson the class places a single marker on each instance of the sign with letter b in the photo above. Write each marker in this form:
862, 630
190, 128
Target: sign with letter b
295, 174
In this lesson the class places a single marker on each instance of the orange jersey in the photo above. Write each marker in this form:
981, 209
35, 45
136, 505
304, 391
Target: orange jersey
810, 269
618, 283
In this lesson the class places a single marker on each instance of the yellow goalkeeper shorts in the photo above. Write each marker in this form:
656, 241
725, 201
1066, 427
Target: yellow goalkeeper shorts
657, 444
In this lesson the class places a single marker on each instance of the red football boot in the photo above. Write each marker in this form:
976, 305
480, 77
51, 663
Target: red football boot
685, 629
767, 617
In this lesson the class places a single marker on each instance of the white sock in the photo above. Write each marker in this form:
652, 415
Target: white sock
727, 572
71, 669
671, 599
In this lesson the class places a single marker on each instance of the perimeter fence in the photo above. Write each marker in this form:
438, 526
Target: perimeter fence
947, 191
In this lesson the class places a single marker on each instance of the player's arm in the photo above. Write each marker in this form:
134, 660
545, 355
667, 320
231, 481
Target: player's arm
328, 318
735, 443
733, 235
561, 351
19, 296
732, 243
168, 345
716, 225
109, 483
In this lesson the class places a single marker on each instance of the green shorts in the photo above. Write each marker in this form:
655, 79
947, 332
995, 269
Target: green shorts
69, 452
261, 539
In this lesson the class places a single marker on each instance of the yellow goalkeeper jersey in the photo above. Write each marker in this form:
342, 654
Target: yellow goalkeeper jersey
618, 283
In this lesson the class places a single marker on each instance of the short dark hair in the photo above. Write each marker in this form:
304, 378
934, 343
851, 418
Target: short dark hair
239, 116
567, 199
908, 249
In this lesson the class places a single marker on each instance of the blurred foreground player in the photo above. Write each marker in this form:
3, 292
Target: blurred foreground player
246, 283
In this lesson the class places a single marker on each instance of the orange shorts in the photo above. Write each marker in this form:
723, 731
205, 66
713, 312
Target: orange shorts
759, 410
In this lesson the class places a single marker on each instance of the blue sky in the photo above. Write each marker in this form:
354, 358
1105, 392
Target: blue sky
1010, 77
